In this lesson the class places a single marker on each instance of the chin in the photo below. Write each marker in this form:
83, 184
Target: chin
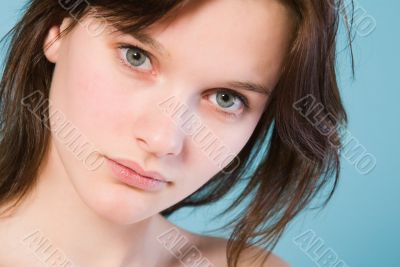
118, 204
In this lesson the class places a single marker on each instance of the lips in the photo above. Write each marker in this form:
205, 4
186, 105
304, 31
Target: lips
134, 166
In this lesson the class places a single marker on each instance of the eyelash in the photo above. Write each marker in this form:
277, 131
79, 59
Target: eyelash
142, 50
235, 94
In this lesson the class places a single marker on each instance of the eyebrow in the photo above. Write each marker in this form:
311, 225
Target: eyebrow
250, 86
243, 85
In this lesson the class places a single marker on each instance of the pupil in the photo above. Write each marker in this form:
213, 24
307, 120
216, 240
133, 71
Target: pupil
225, 97
136, 56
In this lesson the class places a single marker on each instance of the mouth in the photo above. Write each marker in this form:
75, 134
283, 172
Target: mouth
137, 168
132, 178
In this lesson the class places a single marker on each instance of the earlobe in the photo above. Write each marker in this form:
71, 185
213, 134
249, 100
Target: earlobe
52, 43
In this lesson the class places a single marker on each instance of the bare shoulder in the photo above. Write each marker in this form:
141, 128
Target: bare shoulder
273, 260
215, 249
212, 249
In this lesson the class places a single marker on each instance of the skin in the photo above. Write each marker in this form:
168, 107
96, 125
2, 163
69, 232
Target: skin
99, 221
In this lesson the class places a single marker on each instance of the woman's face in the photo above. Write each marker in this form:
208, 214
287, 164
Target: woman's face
118, 100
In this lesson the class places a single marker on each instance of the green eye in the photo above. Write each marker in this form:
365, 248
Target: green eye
136, 58
230, 102
224, 99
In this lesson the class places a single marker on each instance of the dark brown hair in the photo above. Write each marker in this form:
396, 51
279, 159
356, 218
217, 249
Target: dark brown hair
291, 158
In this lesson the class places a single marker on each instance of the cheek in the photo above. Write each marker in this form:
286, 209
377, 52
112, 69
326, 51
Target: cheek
234, 140
87, 88
90, 100
212, 149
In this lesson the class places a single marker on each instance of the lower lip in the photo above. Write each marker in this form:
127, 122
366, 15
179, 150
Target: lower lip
131, 178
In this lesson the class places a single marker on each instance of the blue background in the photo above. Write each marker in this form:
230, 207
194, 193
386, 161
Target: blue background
361, 223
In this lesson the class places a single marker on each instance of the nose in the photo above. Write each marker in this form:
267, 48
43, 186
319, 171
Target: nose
157, 133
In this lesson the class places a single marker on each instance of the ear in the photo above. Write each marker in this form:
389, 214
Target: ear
51, 44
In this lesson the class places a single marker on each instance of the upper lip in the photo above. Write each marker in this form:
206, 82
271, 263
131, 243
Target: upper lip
138, 169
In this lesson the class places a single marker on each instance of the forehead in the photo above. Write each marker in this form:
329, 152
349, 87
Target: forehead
223, 39
247, 38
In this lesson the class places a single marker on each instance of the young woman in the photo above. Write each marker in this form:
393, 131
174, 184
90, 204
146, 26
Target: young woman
115, 114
